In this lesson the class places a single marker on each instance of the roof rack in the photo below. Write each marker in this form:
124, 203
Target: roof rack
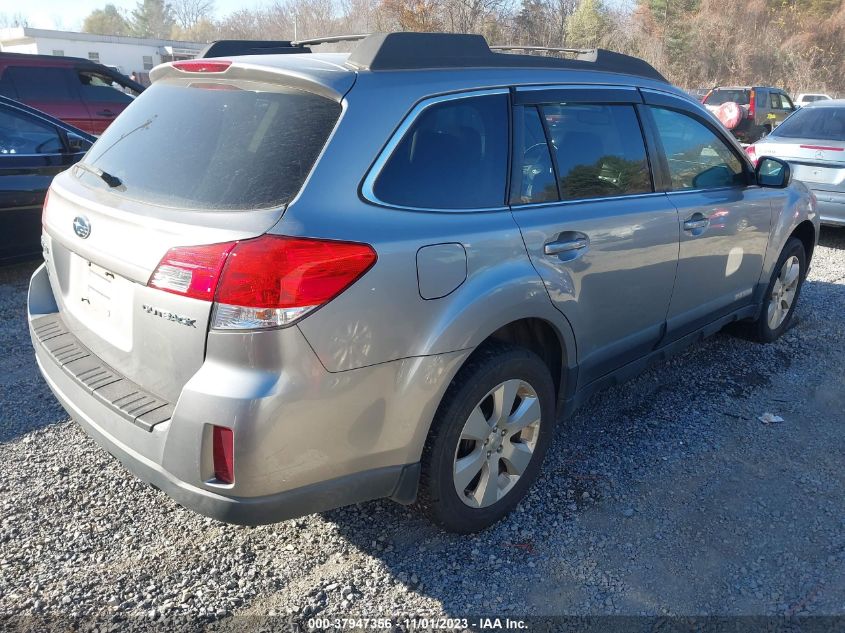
331, 39
550, 49
228, 48
418, 51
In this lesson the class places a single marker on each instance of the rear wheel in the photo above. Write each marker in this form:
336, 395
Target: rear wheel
782, 293
488, 439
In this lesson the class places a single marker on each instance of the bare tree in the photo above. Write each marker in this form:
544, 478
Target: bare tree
189, 12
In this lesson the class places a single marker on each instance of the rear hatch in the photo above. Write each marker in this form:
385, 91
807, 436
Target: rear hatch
197, 159
813, 142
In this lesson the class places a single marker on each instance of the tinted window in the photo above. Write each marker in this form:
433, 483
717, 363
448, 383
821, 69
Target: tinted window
40, 84
718, 97
215, 144
822, 123
97, 87
454, 157
698, 159
537, 173
22, 134
599, 150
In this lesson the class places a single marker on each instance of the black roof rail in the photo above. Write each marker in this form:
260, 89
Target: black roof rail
229, 48
331, 39
550, 49
417, 51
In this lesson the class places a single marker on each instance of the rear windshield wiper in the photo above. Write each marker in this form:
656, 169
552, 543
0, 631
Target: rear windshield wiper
111, 181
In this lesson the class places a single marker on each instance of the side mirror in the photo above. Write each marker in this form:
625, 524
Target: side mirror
773, 172
77, 144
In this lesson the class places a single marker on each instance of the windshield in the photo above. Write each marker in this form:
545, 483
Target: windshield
214, 144
822, 123
718, 97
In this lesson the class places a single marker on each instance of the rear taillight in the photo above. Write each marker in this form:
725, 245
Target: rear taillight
202, 66
223, 449
44, 211
270, 281
191, 271
752, 154
273, 280
752, 103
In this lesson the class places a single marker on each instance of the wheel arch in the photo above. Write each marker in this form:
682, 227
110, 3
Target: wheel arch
806, 232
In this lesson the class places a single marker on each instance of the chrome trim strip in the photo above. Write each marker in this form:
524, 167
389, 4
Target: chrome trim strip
368, 186
557, 203
570, 86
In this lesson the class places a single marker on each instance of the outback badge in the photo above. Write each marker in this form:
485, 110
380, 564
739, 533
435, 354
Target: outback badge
169, 316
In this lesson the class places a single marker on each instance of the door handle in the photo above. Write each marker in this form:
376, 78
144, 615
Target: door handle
105, 113
697, 221
565, 246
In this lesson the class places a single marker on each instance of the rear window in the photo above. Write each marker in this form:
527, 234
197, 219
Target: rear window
718, 97
454, 157
214, 144
34, 83
821, 123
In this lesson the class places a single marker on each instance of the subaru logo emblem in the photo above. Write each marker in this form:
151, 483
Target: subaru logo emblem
81, 226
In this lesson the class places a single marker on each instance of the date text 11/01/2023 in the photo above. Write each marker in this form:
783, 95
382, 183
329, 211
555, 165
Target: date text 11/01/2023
422, 624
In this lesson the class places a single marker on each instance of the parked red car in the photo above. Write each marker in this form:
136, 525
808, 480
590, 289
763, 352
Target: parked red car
77, 91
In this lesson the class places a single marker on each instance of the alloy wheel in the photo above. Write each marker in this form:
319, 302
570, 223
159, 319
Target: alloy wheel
783, 292
497, 443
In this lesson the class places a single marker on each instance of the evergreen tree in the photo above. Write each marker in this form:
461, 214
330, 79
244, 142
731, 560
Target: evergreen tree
152, 18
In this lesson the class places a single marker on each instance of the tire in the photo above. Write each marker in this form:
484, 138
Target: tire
502, 372
768, 327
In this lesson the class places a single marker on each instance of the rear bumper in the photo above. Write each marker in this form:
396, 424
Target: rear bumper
830, 206
391, 481
305, 440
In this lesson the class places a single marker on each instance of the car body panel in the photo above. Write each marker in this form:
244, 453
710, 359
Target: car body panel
816, 161
771, 107
363, 374
25, 178
63, 94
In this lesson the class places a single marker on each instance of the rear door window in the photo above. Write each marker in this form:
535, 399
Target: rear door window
537, 174
454, 156
33, 83
697, 157
95, 87
718, 97
214, 144
599, 150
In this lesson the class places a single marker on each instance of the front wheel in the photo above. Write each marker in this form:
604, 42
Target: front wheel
488, 439
782, 293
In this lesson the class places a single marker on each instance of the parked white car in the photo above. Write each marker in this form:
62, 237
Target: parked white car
805, 98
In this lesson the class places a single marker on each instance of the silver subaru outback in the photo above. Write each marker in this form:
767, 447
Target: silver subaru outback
282, 281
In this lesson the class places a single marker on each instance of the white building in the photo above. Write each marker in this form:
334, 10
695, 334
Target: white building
128, 54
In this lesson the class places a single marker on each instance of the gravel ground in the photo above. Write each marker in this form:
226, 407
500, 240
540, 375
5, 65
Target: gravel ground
663, 496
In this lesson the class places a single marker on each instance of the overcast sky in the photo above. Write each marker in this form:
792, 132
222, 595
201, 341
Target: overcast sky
67, 15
